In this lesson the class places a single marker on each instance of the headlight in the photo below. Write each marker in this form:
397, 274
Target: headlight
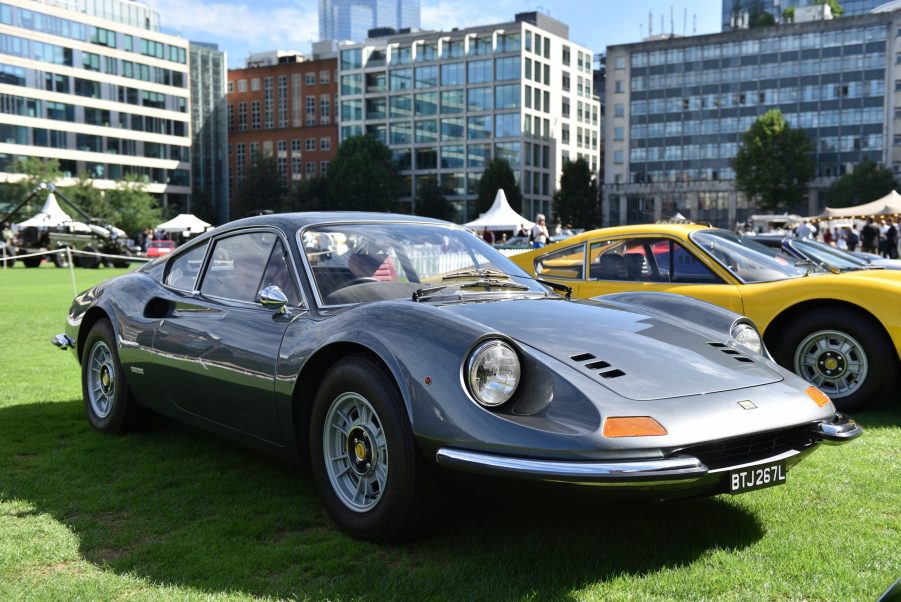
493, 373
746, 336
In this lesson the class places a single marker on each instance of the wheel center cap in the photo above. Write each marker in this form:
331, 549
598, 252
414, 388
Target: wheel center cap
831, 363
105, 380
359, 451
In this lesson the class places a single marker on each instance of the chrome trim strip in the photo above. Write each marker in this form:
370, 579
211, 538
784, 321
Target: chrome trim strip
680, 469
837, 430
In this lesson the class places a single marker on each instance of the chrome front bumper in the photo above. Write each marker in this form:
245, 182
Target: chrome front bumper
675, 470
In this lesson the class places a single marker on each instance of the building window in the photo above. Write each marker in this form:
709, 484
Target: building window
619, 110
309, 79
323, 77
255, 84
255, 115
323, 167
295, 145
268, 104
311, 168
231, 87
620, 86
618, 133
325, 143
310, 144
282, 101
242, 85
618, 157
242, 116
325, 110
619, 62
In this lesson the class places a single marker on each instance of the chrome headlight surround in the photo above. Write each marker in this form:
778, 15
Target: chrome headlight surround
747, 336
493, 373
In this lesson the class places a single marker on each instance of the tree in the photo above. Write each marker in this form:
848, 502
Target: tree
575, 202
308, 195
868, 182
261, 189
772, 165
834, 5
37, 171
133, 208
363, 176
430, 200
498, 174
89, 199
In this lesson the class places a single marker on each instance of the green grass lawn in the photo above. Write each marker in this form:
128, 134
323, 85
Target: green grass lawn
175, 514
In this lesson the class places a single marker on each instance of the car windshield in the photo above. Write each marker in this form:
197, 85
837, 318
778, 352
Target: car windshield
831, 256
749, 261
354, 263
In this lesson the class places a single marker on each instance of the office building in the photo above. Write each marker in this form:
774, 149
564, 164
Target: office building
282, 104
209, 133
677, 110
447, 102
351, 20
106, 98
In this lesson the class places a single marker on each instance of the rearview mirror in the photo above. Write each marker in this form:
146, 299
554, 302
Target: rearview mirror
272, 297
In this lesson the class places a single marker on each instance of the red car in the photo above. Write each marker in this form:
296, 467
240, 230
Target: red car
158, 248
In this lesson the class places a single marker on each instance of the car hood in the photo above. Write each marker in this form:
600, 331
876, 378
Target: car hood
635, 355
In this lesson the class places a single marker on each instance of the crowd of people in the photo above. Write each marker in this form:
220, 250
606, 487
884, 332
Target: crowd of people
880, 237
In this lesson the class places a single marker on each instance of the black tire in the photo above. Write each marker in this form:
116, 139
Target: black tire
61, 259
395, 511
120, 263
868, 343
7, 261
108, 402
89, 261
32, 262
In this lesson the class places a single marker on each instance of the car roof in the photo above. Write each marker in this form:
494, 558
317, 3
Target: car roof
676, 229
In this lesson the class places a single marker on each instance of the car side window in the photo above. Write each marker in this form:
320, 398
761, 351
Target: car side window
688, 268
566, 263
278, 273
236, 266
631, 260
183, 269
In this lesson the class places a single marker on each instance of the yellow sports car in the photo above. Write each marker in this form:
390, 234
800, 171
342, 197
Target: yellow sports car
840, 331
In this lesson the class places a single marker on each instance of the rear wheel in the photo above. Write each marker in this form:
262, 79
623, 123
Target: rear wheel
32, 262
108, 402
89, 261
7, 261
367, 467
847, 356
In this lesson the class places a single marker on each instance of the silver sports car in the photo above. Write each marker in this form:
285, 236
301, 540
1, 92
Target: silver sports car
391, 352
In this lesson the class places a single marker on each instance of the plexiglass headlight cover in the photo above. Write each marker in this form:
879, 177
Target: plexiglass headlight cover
747, 336
492, 373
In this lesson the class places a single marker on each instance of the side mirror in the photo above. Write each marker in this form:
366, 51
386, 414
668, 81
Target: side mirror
272, 297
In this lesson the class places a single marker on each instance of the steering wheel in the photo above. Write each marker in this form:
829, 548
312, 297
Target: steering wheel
361, 280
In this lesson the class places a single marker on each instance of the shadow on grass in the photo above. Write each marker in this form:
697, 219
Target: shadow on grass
176, 506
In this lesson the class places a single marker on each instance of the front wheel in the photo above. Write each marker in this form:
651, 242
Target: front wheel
367, 467
848, 357
61, 259
108, 402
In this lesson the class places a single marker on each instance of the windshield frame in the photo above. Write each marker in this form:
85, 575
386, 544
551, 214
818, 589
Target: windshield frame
789, 269
488, 251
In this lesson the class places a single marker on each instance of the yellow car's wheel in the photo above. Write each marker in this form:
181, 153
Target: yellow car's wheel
848, 357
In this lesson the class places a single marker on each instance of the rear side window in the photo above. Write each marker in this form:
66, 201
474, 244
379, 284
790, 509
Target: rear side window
278, 273
183, 269
565, 263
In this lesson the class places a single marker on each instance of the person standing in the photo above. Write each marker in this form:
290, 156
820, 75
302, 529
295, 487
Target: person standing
852, 238
869, 235
539, 235
891, 240
806, 230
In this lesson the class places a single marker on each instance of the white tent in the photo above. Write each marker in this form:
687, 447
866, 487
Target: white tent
500, 217
185, 223
890, 204
50, 215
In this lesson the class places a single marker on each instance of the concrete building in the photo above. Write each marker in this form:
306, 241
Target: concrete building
106, 98
209, 133
677, 110
351, 20
282, 104
446, 102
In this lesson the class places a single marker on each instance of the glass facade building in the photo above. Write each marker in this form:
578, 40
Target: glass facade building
351, 20
209, 133
851, 8
446, 103
678, 108
103, 98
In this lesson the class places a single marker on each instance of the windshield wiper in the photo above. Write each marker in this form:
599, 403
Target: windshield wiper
811, 266
567, 290
494, 284
476, 274
426, 291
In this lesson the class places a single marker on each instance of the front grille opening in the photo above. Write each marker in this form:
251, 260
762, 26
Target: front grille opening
613, 374
749, 448
597, 365
582, 357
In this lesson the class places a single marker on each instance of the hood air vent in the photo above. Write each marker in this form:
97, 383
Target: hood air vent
732, 352
582, 358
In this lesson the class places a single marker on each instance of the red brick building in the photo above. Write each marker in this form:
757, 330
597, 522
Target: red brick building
284, 105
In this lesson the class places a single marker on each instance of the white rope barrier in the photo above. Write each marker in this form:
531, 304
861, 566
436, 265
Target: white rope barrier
6, 258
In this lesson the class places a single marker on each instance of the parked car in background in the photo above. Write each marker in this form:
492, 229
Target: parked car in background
826, 256
158, 248
411, 350
841, 332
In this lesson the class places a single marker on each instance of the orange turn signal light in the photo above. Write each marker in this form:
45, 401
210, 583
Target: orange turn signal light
633, 426
820, 398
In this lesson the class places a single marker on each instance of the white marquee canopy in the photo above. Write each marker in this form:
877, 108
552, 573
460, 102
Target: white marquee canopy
500, 216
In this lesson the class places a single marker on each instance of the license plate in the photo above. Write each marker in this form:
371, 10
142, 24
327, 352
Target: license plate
756, 477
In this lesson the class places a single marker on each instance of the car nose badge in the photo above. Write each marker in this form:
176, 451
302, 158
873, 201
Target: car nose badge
747, 404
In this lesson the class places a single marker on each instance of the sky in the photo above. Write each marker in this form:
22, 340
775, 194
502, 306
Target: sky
241, 27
